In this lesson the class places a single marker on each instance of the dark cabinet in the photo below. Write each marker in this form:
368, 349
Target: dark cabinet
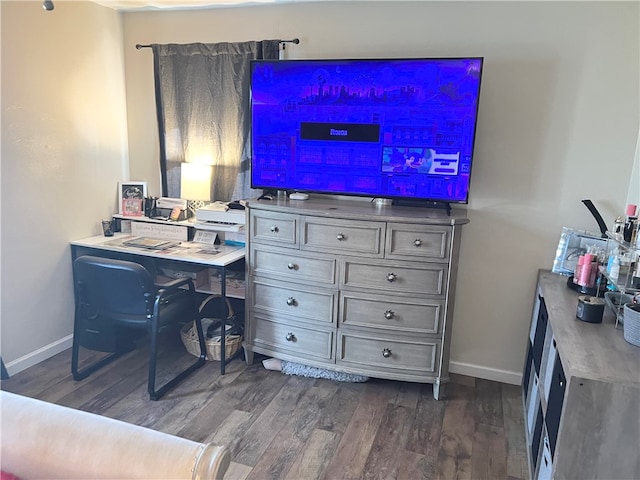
581, 391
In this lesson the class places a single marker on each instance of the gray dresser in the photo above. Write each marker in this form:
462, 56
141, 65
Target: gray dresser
353, 287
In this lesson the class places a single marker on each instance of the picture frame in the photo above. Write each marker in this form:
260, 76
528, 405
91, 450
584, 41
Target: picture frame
131, 197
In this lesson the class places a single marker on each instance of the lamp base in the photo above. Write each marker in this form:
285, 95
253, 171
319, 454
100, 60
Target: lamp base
193, 205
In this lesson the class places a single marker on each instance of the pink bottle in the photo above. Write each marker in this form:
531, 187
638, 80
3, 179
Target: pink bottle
585, 271
578, 271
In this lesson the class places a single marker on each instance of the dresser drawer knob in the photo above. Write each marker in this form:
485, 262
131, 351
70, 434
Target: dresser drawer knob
273, 229
291, 266
391, 277
290, 337
386, 353
417, 242
291, 301
341, 237
389, 314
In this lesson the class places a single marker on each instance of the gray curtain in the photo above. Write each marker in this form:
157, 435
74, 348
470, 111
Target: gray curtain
202, 101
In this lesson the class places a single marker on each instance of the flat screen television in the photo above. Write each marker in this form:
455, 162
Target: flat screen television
386, 128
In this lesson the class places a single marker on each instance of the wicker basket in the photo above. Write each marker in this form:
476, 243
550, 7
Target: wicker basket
189, 335
212, 309
632, 323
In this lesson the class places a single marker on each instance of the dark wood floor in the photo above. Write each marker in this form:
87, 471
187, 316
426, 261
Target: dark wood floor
290, 427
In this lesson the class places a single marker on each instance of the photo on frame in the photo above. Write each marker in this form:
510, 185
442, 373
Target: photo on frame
131, 198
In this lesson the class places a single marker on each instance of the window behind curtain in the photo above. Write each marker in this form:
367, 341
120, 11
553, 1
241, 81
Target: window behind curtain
202, 100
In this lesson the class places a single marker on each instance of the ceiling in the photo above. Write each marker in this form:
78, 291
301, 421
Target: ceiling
146, 5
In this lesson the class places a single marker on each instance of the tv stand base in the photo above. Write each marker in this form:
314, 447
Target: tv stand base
405, 202
382, 202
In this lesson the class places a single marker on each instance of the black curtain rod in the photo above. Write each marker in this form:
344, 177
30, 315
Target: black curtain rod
295, 41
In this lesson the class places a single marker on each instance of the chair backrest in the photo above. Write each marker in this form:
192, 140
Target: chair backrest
114, 288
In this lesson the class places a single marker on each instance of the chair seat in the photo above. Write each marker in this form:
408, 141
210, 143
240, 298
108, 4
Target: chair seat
178, 305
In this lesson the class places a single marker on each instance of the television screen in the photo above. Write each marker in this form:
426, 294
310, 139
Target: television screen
390, 128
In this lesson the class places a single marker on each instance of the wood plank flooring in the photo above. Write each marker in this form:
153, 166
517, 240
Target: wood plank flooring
297, 428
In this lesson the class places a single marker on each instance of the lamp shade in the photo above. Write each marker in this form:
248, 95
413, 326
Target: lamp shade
195, 181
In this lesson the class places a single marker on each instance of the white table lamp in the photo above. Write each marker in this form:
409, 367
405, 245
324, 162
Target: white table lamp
195, 185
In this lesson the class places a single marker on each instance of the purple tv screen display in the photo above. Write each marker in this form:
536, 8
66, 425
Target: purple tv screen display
394, 128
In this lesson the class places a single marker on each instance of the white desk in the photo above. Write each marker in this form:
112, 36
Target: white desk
215, 257
190, 252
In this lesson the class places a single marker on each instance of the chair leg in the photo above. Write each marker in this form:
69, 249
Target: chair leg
88, 370
157, 394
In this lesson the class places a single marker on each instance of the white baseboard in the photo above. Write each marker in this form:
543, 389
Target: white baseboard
48, 351
477, 371
40, 355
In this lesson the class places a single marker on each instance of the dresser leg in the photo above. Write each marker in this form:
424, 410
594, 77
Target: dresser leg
248, 356
438, 390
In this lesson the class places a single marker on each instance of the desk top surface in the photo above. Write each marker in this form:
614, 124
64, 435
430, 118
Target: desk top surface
210, 255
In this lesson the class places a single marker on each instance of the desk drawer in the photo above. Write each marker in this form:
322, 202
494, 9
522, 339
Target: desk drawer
396, 277
343, 236
400, 314
387, 353
293, 265
311, 304
406, 241
273, 227
293, 339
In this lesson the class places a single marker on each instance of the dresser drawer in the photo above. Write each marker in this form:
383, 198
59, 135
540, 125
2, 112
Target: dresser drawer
343, 236
396, 277
406, 241
292, 265
274, 227
311, 304
386, 353
402, 314
292, 339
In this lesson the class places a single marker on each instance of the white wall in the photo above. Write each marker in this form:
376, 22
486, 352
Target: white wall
634, 184
558, 123
63, 152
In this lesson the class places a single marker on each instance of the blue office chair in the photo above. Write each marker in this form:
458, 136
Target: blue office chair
115, 299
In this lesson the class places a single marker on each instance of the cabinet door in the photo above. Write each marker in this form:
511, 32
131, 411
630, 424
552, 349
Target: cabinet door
532, 405
554, 404
546, 465
537, 436
528, 367
550, 366
540, 332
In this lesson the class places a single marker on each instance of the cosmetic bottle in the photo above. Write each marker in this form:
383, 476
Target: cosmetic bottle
613, 255
578, 270
630, 223
618, 227
615, 269
585, 272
